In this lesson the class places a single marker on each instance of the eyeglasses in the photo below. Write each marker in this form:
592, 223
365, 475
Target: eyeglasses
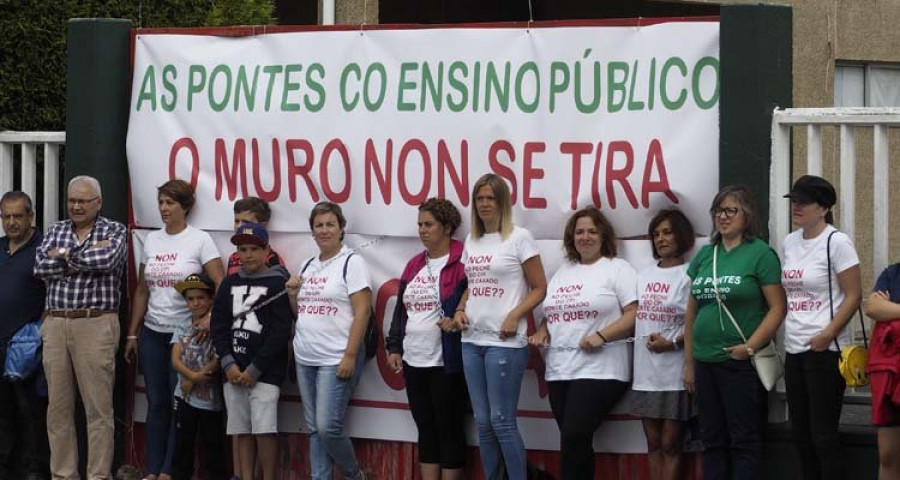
81, 201
728, 211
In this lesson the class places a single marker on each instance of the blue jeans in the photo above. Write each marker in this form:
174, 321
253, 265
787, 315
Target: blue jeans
325, 398
494, 377
155, 354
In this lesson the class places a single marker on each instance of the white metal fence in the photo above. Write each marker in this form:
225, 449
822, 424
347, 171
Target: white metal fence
27, 155
846, 121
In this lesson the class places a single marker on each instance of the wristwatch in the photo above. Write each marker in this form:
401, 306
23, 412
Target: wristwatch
750, 350
62, 251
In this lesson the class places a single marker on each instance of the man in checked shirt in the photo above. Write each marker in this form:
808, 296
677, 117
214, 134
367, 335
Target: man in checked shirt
81, 260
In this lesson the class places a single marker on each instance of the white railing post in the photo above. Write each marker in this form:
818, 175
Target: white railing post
51, 184
848, 181
779, 183
28, 172
29, 169
6, 167
880, 198
814, 149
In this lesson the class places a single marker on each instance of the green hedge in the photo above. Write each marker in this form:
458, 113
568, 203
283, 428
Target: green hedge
33, 45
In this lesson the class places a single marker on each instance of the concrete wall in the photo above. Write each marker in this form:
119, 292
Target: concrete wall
827, 32
350, 12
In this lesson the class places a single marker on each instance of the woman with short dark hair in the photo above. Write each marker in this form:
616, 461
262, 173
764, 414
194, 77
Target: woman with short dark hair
657, 392
333, 299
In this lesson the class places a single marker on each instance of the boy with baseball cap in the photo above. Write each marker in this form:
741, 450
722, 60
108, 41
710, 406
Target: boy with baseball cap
198, 393
252, 210
251, 326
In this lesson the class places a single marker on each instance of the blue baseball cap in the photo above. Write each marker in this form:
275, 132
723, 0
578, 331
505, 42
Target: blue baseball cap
250, 233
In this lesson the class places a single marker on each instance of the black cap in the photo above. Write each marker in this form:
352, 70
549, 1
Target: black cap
199, 281
813, 189
251, 233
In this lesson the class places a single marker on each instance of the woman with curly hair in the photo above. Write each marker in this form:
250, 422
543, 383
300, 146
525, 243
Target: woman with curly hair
425, 346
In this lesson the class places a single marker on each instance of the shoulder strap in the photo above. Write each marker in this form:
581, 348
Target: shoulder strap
722, 305
830, 295
347, 264
307, 265
862, 324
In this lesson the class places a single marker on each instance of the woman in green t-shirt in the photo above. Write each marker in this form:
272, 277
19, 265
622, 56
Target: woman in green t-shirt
747, 279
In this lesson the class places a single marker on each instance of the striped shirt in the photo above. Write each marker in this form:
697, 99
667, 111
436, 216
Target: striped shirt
91, 276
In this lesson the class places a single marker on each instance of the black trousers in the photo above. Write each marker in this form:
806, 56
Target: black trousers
437, 401
24, 448
815, 394
210, 425
732, 403
579, 407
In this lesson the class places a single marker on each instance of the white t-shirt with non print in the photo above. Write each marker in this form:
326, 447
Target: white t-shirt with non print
422, 341
582, 299
804, 276
324, 312
167, 260
497, 285
662, 300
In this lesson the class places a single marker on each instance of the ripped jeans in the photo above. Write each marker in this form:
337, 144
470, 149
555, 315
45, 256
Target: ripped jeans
494, 378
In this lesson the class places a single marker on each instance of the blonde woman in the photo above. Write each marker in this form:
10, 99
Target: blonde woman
506, 282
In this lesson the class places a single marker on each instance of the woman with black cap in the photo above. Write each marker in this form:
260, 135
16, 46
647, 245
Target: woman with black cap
820, 274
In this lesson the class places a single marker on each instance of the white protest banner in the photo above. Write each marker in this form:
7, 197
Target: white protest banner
624, 118
621, 117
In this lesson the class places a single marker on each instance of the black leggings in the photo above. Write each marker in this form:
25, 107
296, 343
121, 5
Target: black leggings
211, 426
437, 401
579, 407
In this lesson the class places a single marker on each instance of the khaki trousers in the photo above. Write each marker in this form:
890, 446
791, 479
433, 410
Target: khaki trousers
79, 353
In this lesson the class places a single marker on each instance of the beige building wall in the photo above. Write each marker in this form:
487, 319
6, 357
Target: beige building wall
825, 32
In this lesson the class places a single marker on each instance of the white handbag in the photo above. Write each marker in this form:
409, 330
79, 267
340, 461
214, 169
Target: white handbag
767, 362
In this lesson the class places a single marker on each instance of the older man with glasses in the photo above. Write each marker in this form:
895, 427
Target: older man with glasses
81, 260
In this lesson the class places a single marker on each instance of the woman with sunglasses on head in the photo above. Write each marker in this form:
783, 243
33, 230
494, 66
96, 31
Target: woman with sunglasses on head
591, 305
506, 282
657, 393
820, 273
736, 293
425, 346
333, 300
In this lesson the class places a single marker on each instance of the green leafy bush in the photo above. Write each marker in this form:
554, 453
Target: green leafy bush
33, 45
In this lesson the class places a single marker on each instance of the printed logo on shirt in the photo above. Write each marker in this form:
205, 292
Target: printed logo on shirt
655, 305
565, 305
481, 284
161, 272
420, 295
703, 287
800, 299
243, 298
311, 299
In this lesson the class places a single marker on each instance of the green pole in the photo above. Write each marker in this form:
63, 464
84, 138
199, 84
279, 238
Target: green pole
98, 89
756, 76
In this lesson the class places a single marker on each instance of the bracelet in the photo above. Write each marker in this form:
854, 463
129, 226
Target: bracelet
602, 337
459, 310
131, 337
